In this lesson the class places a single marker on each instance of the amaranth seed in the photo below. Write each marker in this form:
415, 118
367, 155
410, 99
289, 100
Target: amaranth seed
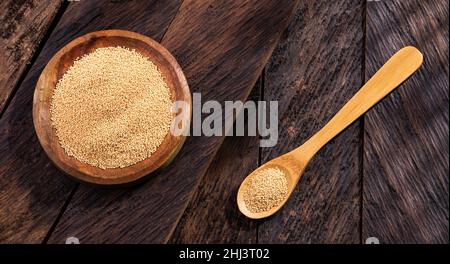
112, 108
267, 189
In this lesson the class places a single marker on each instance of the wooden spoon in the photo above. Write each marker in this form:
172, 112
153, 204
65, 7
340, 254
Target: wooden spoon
396, 70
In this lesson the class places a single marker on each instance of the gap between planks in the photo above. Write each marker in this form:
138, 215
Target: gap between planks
36, 53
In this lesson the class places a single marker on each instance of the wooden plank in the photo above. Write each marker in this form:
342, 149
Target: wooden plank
406, 137
316, 68
23, 24
222, 47
212, 215
33, 191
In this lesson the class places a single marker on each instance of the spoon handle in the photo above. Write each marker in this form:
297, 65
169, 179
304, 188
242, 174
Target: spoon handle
396, 70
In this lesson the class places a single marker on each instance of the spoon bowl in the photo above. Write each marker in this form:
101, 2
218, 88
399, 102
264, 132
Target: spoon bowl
396, 70
292, 170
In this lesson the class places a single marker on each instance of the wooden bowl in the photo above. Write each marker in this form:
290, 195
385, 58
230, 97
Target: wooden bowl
59, 64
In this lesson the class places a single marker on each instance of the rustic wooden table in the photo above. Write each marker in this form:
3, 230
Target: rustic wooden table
386, 176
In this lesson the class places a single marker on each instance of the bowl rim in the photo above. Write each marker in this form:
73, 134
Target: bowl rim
82, 171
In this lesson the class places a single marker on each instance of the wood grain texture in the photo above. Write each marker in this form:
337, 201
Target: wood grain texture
57, 67
33, 191
212, 215
406, 137
315, 69
22, 25
222, 47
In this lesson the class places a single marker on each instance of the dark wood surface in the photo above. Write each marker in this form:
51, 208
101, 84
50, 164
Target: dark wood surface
406, 137
386, 176
232, 43
23, 24
33, 191
212, 215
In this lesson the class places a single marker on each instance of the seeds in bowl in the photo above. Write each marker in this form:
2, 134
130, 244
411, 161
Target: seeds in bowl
111, 108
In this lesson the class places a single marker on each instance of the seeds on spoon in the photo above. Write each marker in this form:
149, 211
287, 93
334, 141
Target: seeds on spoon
267, 189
